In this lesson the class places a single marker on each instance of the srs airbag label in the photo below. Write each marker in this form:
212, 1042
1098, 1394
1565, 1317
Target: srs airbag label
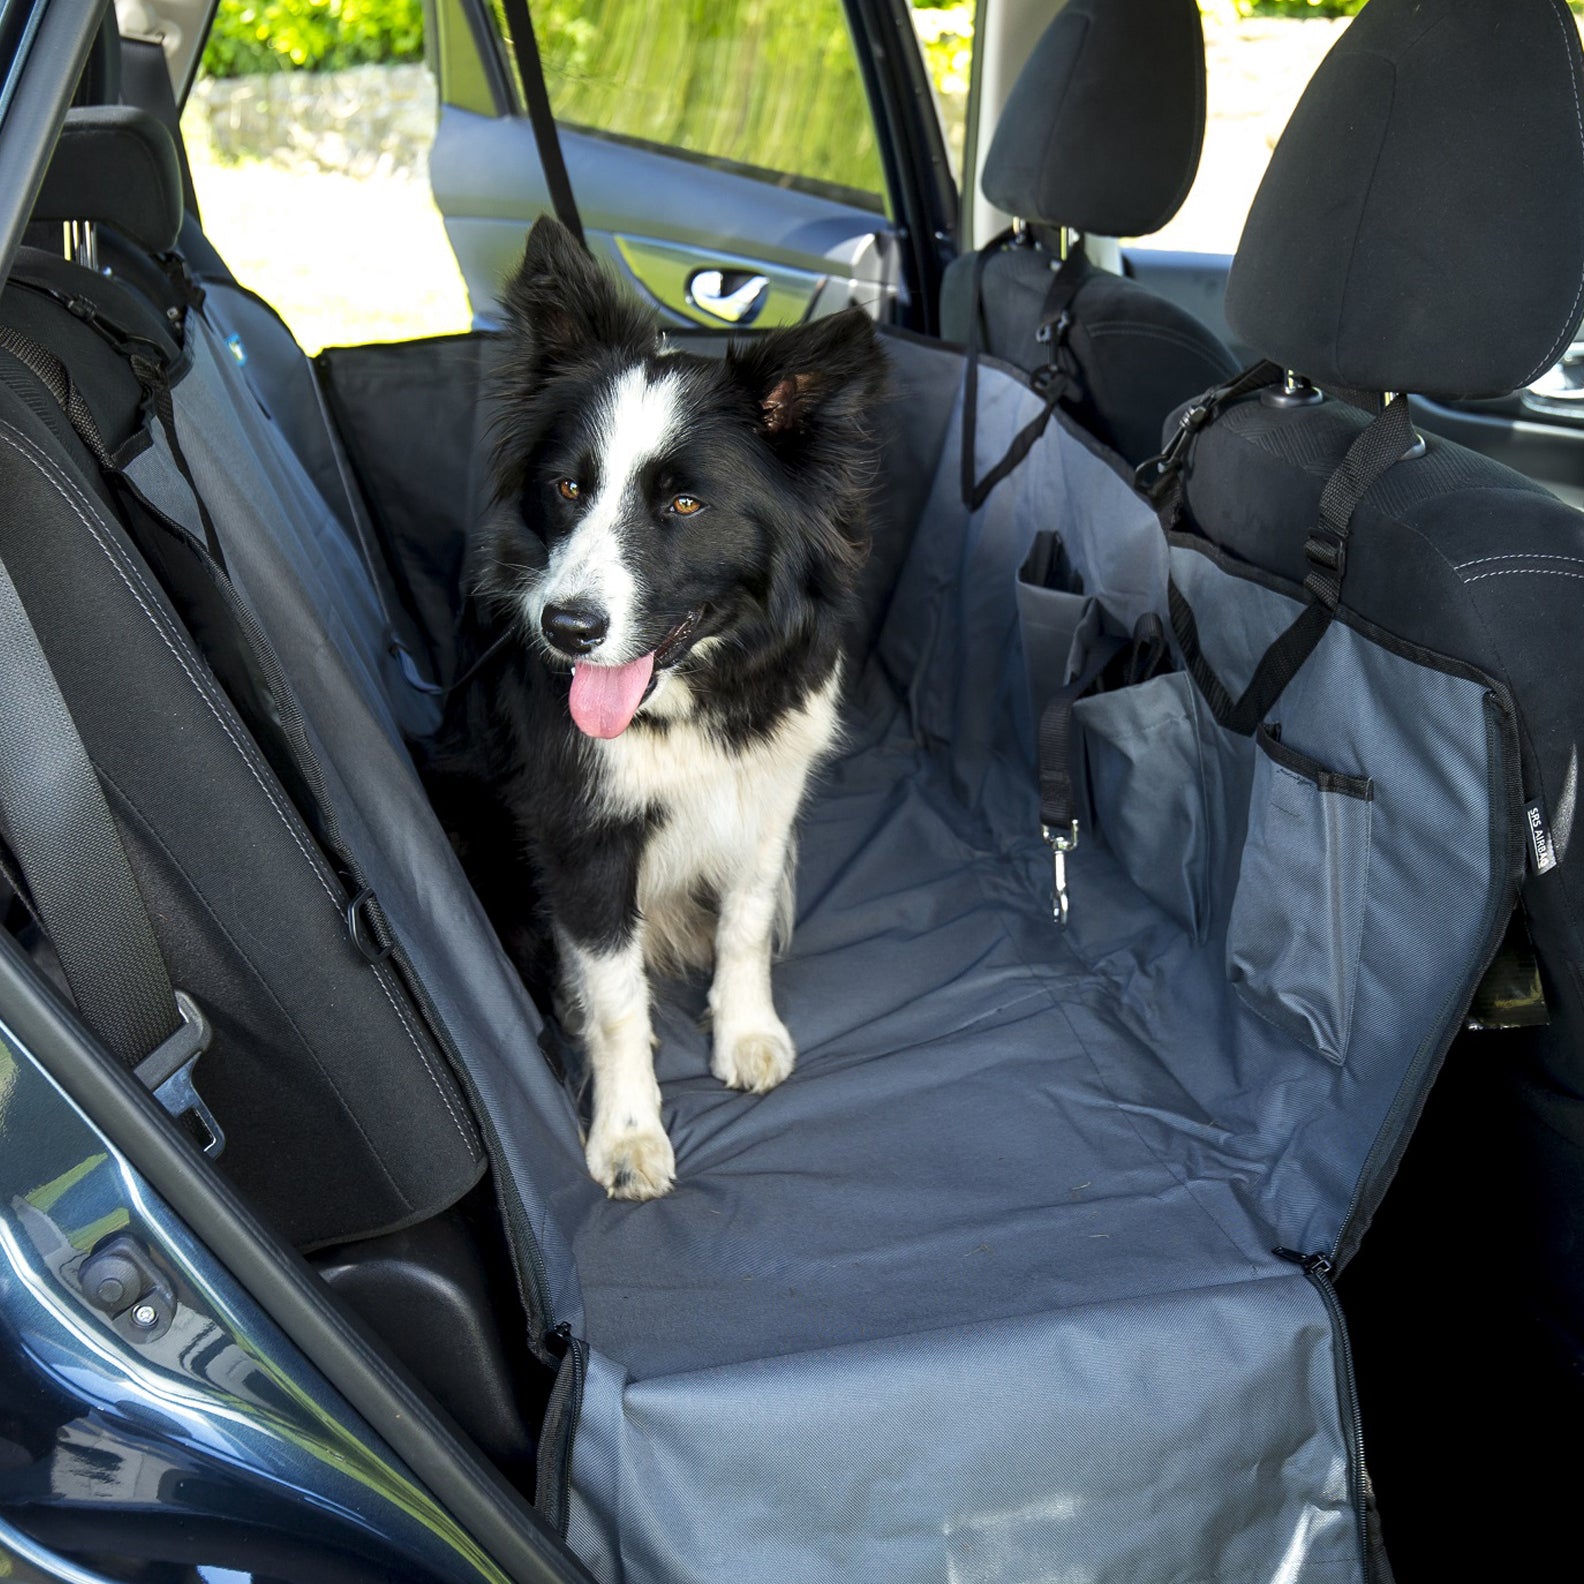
1540, 848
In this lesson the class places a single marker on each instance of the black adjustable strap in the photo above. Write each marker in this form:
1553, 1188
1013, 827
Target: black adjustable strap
1160, 478
153, 375
1375, 449
1056, 380
150, 366
530, 68
1387, 439
56, 378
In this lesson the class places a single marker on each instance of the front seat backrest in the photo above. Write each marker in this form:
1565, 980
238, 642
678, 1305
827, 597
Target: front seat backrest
1421, 229
1100, 134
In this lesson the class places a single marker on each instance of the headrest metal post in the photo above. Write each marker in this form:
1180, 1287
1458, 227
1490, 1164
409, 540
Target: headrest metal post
1418, 447
1295, 390
82, 243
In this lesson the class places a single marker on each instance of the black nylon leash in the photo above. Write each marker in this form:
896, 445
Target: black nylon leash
1058, 761
1058, 771
530, 69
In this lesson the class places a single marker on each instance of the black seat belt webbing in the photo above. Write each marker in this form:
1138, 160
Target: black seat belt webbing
59, 828
530, 68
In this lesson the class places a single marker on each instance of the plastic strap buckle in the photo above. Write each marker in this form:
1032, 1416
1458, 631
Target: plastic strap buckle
168, 1071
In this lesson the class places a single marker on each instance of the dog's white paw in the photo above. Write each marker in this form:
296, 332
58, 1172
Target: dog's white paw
632, 1163
755, 1062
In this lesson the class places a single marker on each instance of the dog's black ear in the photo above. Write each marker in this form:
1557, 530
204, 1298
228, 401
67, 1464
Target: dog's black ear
827, 372
560, 303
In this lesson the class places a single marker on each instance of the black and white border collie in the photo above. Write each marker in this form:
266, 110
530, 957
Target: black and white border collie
655, 613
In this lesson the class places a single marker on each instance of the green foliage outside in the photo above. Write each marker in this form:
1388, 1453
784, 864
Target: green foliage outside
772, 86
1304, 8
312, 35
324, 35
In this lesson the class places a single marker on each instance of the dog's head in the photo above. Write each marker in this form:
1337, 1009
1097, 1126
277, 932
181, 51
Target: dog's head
649, 500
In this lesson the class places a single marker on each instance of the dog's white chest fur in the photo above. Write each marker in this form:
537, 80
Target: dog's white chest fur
724, 812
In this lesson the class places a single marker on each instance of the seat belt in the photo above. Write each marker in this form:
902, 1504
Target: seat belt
530, 69
208, 604
79, 883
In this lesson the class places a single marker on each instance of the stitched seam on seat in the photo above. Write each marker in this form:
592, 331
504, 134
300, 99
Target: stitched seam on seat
55, 479
1517, 555
1116, 327
1526, 572
1570, 324
468, 1139
46, 467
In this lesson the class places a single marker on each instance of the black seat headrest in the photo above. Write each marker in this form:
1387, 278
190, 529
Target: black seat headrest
1421, 225
118, 165
1103, 128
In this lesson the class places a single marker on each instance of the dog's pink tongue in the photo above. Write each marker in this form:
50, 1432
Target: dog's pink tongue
605, 698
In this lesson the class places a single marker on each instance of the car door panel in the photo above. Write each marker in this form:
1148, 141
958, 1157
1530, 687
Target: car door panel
657, 220
655, 154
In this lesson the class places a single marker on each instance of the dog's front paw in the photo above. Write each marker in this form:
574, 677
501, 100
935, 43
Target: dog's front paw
756, 1062
632, 1163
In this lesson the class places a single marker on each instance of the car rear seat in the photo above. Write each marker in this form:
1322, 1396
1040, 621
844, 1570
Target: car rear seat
991, 1279
1455, 274
343, 1116
1101, 133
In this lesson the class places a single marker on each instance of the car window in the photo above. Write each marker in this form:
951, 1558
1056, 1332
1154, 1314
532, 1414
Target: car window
945, 30
309, 137
769, 90
1255, 69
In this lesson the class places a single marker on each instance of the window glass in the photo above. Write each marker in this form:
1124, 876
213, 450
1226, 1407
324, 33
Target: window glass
769, 88
1256, 67
309, 131
945, 30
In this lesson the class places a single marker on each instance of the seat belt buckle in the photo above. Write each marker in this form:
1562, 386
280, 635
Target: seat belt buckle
168, 1072
1062, 841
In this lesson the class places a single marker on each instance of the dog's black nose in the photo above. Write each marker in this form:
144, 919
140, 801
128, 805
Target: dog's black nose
574, 629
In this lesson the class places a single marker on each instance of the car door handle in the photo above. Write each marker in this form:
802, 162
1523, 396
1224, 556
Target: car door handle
731, 295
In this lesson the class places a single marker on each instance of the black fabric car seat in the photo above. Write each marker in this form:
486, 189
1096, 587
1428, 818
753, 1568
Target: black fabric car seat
1100, 134
328, 1074
1421, 229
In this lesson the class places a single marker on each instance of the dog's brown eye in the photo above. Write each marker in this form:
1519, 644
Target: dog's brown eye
568, 489
686, 505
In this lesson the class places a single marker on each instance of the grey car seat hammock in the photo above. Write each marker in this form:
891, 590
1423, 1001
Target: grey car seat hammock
1001, 1283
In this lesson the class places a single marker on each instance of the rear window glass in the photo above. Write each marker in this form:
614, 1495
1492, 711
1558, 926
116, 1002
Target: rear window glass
770, 89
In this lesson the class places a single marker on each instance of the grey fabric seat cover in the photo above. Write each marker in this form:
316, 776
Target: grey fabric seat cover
986, 1289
